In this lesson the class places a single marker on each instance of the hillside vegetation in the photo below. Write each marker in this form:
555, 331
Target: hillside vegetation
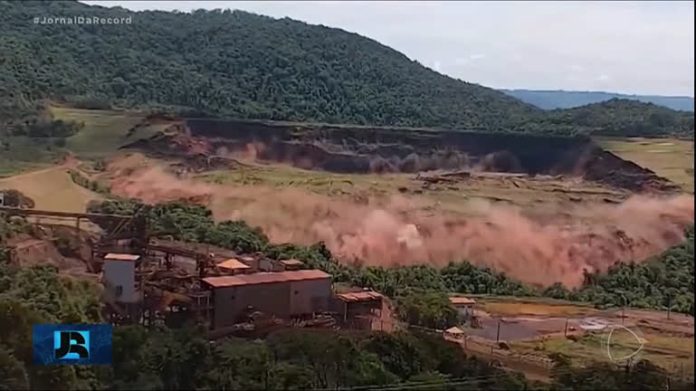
559, 99
237, 64
163, 358
622, 117
248, 66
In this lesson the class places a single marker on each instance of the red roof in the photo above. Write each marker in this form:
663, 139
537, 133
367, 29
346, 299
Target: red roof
359, 296
265, 278
233, 264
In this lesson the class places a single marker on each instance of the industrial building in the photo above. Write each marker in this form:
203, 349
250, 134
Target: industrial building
252, 262
119, 277
284, 294
292, 264
358, 307
152, 281
464, 305
271, 265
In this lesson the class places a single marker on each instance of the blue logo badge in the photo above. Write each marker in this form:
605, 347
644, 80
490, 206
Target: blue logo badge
71, 344
84, 344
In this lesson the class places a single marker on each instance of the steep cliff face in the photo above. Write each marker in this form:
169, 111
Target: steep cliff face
354, 149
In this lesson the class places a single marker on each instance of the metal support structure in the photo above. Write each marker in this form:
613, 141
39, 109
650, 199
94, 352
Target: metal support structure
135, 229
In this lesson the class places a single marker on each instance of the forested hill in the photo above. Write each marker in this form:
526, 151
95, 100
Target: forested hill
559, 99
622, 117
237, 64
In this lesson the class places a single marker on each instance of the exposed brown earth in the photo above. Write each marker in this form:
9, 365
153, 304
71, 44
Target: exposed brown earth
347, 149
400, 230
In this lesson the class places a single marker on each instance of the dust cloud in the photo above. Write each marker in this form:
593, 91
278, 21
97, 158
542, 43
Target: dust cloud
401, 230
314, 157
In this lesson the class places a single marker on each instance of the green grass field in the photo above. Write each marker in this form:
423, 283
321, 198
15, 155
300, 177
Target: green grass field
277, 175
25, 154
670, 158
661, 344
51, 189
453, 197
535, 306
104, 131
11, 167
672, 353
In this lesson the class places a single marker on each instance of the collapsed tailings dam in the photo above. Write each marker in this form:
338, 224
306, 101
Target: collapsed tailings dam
400, 229
363, 149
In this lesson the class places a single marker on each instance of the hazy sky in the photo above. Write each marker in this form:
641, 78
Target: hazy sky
631, 47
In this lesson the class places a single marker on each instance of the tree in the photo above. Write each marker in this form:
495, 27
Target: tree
427, 309
401, 353
13, 374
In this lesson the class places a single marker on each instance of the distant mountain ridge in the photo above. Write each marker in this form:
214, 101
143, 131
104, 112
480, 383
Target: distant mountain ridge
561, 99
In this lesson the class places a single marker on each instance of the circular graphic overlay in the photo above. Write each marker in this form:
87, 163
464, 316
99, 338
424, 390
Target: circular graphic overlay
623, 344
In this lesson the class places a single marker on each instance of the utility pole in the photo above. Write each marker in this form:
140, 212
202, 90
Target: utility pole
565, 331
497, 336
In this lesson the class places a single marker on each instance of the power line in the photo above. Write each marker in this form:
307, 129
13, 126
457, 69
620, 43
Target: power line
457, 381
407, 385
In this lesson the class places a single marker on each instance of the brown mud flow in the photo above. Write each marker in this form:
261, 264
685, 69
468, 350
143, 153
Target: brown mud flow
398, 230
401, 229
351, 149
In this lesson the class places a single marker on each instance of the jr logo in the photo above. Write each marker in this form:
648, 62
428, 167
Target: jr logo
71, 345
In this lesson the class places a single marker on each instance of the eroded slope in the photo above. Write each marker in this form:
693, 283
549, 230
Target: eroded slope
345, 149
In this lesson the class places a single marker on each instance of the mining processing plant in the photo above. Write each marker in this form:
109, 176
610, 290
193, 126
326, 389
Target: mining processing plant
152, 281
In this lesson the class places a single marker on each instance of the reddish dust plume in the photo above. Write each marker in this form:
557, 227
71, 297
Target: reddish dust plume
398, 231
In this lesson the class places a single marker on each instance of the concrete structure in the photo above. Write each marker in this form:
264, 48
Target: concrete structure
291, 264
269, 265
272, 265
282, 294
252, 262
454, 332
464, 305
119, 277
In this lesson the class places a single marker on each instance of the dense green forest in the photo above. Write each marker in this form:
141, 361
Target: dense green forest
162, 358
248, 66
623, 117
